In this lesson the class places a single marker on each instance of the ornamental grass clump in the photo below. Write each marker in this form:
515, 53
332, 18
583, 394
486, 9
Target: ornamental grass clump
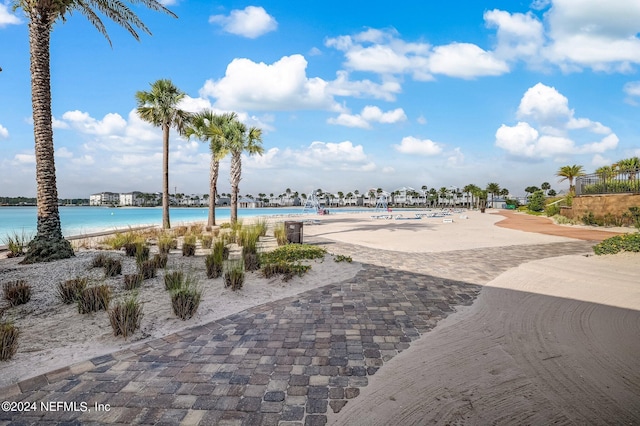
95, 298
69, 291
133, 281
280, 234
125, 317
112, 267
166, 243
17, 292
214, 262
16, 243
100, 260
160, 260
119, 239
186, 298
220, 246
173, 280
141, 253
206, 240
248, 239
234, 276
189, 245
147, 269
8, 340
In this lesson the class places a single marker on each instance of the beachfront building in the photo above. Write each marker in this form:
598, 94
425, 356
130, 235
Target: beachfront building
104, 199
131, 199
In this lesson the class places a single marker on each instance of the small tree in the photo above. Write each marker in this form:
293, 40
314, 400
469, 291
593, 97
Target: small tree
536, 202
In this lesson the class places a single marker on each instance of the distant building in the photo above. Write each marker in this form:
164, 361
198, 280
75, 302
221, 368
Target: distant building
131, 199
104, 199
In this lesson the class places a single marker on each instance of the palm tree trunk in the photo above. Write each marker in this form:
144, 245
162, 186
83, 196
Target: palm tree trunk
165, 177
48, 244
236, 169
213, 189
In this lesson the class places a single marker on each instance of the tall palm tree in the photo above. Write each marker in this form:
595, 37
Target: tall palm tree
493, 189
570, 173
243, 139
160, 108
442, 195
215, 129
49, 243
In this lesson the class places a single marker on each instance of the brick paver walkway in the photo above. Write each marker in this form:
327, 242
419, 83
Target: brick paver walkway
286, 362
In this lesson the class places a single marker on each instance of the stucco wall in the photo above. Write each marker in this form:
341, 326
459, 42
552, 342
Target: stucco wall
601, 205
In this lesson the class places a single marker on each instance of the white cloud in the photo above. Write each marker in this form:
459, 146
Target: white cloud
549, 111
342, 86
412, 145
632, 88
4, 133
111, 124
599, 161
591, 33
25, 158
250, 22
464, 60
6, 17
455, 158
327, 156
519, 36
282, 85
369, 115
383, 52
63, 153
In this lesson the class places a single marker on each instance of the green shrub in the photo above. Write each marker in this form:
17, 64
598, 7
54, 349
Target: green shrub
185, 301
536, 202
563, 220
17, 292
590, 219
287, 270
626, 242
69, 291
343, 258
552, 210
93, 299
8, 340
293, 253
234, 276
125, 317
133, 281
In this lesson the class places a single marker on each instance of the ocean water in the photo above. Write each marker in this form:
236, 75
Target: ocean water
85, 220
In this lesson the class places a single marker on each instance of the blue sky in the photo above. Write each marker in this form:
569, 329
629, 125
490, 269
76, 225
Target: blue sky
349, 97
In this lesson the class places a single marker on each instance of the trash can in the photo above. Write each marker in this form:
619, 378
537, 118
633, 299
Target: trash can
293, 231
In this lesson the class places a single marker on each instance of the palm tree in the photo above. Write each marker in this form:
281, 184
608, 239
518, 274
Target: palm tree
160, 108
570, 173
249, 140
213, 128
630, 166
442, 195
493, 189
49, 243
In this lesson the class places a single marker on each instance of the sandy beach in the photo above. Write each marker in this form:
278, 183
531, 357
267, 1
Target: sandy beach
552, 336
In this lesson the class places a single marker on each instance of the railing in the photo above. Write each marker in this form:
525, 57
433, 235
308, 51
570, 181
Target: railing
617, 183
